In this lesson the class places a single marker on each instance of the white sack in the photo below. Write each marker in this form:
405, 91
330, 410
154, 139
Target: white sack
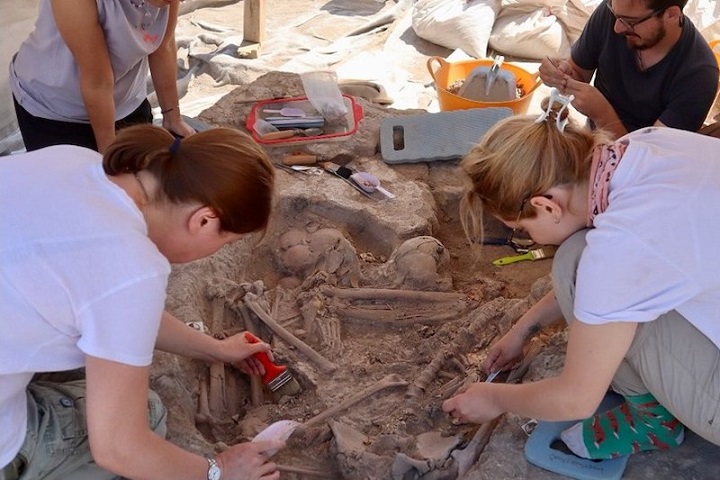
533, 36
705, 14
456, 23
575, 15
510, 7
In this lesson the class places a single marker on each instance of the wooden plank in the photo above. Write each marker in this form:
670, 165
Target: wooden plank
253, 28
254, 21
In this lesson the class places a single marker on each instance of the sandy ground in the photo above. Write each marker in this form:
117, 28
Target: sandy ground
378, 307
312, 35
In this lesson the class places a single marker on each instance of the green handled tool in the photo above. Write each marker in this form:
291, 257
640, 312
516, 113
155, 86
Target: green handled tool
536, 254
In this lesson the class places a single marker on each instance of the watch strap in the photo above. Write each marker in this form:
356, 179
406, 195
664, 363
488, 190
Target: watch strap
214, 472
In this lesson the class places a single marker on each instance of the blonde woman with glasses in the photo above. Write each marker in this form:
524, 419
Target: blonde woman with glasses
650, 63
632, 278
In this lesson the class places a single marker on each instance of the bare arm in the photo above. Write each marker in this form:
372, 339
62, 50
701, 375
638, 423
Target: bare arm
593, 355
593, 104
163, 69
570, 79
502, 354
122, 442
555, 72
545, 312
77, 22
577, 73
176, 337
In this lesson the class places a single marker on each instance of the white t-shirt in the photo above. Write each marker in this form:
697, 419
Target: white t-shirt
653, 249
78, 275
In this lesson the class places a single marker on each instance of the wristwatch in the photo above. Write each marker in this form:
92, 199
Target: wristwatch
214, 472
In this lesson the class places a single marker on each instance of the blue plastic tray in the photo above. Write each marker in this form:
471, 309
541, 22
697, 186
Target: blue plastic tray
538, 451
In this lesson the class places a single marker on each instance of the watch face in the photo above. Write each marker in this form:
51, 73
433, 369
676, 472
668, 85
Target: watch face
213, 470
214, 473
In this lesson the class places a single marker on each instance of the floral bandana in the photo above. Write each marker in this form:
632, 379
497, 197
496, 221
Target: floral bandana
605, 161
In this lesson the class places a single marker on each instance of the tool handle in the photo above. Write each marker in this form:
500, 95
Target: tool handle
387, 194
271, 370
278, 135
299, 159
513, 258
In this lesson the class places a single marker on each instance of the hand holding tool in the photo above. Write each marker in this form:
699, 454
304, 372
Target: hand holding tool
277, 377
280, 430
553, 62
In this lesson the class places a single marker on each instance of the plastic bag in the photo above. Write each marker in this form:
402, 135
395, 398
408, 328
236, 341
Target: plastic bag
321, 89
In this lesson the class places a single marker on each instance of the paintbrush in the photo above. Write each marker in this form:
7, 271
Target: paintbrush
535, 254
277, 378
553, 62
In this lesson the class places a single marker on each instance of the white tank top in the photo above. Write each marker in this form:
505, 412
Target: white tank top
44, 76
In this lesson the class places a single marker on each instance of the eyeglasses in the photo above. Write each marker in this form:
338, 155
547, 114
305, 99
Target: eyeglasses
513, 240
631, 24
520, 245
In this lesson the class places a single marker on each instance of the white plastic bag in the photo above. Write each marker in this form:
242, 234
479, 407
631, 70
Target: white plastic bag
321, 89
456, 23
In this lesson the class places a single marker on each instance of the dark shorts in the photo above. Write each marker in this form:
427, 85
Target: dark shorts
40, 132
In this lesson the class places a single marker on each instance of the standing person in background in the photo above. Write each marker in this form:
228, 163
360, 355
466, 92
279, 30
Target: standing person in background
651, 67
640, 298
82, 73
86, 244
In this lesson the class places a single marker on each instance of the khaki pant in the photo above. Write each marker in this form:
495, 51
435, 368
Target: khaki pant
668, 357
56, 444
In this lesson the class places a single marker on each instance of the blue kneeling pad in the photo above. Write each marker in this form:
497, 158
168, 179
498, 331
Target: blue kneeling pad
538, 450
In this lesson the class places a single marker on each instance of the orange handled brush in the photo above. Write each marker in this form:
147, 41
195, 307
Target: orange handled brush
277, 378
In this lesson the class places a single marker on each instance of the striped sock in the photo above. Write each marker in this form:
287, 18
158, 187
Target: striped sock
640, 424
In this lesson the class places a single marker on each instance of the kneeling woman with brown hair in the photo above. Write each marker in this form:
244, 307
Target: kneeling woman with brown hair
86, 245
632, 218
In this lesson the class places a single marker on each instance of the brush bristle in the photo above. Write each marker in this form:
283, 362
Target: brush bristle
284, 384
544, 252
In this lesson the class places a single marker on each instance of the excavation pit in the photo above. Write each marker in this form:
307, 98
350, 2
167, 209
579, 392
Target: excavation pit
379, 309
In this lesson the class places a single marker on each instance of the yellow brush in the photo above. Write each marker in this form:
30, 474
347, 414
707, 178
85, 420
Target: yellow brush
536, 254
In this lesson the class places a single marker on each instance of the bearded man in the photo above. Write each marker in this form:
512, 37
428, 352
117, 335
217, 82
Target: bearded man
651, 67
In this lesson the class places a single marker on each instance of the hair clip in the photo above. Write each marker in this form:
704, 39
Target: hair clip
561, 99
175, 146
